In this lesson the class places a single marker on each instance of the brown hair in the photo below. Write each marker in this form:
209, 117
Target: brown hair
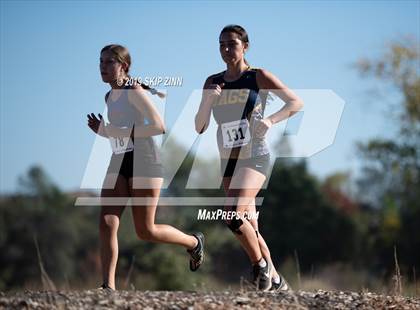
240, 31
122, 55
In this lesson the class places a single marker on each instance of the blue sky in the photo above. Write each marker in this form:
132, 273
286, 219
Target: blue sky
50, 79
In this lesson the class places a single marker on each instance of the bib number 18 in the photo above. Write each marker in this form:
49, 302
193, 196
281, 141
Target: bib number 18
121, 144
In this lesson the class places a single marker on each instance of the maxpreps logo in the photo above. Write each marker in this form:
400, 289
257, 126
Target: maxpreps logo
219, 214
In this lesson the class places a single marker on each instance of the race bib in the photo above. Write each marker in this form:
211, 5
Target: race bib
121, 144
236, 133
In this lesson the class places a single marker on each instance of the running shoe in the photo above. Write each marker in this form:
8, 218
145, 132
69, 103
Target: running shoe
106, 288
280, 284
261, 276
197, 254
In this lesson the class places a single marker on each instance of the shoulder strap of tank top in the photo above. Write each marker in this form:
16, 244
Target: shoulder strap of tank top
216, 76
107, 96
264, 97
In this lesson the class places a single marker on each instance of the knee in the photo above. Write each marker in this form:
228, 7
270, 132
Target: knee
146, 233
109, 223
235, 224
233, 221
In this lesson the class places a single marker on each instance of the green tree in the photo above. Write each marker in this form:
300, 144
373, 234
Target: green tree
391, 172
42, 212
296, 216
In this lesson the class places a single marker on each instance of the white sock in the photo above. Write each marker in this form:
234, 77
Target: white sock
262, 263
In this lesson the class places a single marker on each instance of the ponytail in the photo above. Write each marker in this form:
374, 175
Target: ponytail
153, 91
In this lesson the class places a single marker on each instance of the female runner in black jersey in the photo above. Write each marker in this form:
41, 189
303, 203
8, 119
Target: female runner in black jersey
237, 97
135, 169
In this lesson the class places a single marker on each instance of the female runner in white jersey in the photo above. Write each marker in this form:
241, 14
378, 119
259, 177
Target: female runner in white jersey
135, 169
237, 97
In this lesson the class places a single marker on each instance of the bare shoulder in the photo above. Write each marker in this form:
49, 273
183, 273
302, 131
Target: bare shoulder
137, 87
137, 91
138, 97
267, 80
263, 74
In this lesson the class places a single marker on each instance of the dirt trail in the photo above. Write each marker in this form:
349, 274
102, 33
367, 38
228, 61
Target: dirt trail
97, 299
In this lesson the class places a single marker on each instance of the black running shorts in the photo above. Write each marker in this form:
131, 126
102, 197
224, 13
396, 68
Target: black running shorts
123, 164
258, 163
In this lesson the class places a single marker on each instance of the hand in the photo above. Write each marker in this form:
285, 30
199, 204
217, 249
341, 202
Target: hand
214, 90
261, 127
94, 123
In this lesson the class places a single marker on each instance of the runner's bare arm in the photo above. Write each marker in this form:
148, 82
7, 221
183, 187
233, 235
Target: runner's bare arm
142, 102
210, 92
101, 129
139, 99
269, 81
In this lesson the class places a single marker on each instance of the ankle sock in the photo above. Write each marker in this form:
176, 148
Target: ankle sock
262, 263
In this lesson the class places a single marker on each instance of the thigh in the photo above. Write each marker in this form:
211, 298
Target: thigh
247, 178
114, 194
145, 197
244, 186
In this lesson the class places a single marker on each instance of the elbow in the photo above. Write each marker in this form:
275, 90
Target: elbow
201, 123
200, 128
301, 104
298, 105
162, 129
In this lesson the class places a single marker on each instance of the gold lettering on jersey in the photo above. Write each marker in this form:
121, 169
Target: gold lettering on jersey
243, 95
233, 96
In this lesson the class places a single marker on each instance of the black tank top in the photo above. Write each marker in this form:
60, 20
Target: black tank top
240, 100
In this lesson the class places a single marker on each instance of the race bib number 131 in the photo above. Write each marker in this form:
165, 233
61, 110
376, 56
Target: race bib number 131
236, 133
